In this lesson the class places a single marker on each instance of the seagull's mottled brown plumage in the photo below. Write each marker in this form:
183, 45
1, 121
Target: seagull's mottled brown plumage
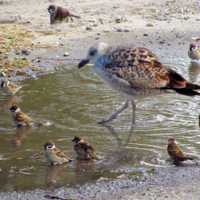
135, 72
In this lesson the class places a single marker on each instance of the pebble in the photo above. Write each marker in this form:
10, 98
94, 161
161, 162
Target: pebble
98, 12
95, 25
106, 30
119, 30
58, 29
92, 20
126, 29
145, 34
88, 28
149, 25
66, 54
25, 52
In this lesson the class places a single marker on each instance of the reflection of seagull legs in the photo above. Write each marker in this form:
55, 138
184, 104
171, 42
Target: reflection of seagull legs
112, 131
114, 159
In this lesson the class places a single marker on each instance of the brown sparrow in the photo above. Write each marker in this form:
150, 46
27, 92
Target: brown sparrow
22, 119
58, 13
84, 150
135, 72
194, 52
54, 155
175, 152
9, 87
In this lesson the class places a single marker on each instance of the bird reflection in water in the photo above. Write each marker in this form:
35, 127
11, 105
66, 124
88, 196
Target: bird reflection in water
20, 134
194, 71
121, 155
8, 102
53, 172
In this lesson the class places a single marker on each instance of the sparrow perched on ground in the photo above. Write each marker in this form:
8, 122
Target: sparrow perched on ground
54, 155
135, 72
194, 52
9, 87
58, 13
175, 152
22, 119
84, 150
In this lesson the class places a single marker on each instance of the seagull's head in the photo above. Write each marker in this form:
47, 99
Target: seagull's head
94, 53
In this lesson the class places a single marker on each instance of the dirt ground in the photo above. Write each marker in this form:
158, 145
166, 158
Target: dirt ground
166, 27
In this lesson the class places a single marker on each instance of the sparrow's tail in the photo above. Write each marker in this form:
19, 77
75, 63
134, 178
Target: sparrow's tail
187, 158
71, 15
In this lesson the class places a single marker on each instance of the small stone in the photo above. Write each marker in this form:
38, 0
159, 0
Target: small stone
106, 31
95, 25
25, 52
66, 54
92, 20
198, 19
126, 29
118, 18
145, 34
58, 29
88, 28
98, 12
119, 30
98, 33
149, 25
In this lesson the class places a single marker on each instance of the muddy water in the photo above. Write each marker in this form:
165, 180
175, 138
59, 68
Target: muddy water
73, 100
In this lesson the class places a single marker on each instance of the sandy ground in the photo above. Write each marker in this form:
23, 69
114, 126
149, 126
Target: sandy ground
173, 25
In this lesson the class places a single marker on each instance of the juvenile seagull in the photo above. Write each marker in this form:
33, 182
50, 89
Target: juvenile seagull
135, 72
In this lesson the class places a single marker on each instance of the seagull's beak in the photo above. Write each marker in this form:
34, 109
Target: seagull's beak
83, 62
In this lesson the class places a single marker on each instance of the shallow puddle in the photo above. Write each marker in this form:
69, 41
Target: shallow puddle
73, 100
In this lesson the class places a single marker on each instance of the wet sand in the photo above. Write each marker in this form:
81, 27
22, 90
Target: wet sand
174, 23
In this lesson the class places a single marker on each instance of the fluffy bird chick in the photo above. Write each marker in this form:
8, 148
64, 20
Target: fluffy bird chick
58, 13
9, 87
194, 52
175, 152
54, 155
21, 119
83, 150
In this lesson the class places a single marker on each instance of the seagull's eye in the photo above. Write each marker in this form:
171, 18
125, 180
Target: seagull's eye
92, 52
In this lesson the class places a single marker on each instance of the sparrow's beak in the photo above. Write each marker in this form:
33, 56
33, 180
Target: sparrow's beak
82, 63
10, 108
72, 140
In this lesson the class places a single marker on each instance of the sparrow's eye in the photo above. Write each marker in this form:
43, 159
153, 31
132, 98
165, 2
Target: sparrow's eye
51, 10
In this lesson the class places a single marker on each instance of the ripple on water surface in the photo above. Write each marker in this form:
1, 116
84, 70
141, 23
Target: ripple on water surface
73, 100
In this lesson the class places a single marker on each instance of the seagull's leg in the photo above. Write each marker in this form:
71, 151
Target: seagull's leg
115, 115
134, 108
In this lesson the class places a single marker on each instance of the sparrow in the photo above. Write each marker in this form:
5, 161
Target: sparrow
194, 52
135, 72
175, 152
84, 150
54, 155
22, 119
9, 87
